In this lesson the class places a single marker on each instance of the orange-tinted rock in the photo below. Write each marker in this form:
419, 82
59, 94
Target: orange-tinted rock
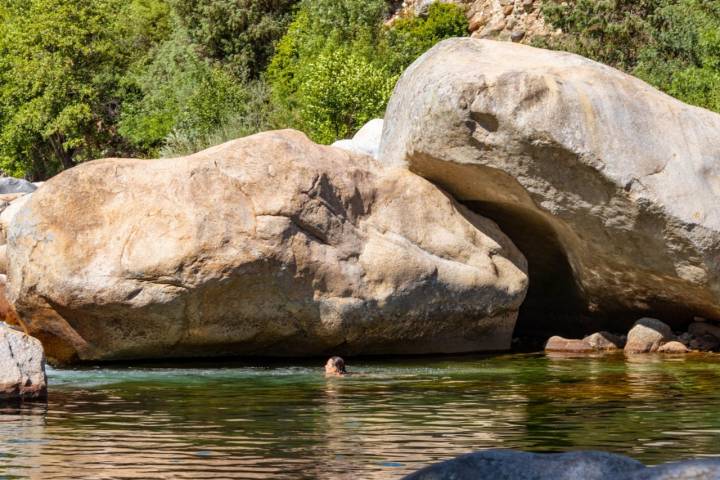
560, 344
647, 335
673, 347
604, 341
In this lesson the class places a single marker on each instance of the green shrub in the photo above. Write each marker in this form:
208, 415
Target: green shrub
252, 116
672, 44
411, 37
180, 94
336, 66
341, 92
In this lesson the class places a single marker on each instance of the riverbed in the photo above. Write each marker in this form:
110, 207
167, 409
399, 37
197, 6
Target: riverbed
285, 420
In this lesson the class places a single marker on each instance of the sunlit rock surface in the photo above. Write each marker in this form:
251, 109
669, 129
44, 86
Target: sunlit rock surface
608, 186
267, 245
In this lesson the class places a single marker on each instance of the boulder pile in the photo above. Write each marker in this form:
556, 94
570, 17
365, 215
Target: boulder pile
648, 335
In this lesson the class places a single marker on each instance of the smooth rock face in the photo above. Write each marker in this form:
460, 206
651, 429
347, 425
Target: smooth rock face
507, 464
22, 366
589, 465
560, 344
267, 245
564, 153
647, 335
366, 141
16, 185
604, 341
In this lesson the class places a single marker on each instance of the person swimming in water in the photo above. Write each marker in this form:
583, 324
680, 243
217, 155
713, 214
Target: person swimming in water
335, 367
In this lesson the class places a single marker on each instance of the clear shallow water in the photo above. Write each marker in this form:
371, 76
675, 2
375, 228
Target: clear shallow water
289, 422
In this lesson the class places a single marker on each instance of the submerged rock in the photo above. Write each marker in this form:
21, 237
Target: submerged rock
560, 344
267, 245
22, 366
564, 154
704, 343
647, 335
585, 465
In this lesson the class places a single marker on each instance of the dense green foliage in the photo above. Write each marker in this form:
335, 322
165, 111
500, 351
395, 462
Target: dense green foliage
82, 79
60, 82
240, 34
335, 68
672, 44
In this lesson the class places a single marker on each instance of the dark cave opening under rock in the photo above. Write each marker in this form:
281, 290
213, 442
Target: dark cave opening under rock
554, 304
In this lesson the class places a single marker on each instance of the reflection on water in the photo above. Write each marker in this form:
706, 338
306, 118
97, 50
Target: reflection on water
283, 422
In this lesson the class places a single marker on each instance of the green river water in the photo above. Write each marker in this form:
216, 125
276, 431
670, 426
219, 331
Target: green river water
287, 421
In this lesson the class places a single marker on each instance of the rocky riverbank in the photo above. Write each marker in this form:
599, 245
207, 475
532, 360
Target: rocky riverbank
498, 166
648, 335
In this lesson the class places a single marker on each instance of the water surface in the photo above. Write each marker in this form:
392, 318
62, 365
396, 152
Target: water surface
287, 421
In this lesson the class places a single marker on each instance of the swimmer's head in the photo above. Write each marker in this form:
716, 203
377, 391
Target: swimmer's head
335, 366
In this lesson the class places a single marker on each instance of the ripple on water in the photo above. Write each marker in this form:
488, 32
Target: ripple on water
289, 422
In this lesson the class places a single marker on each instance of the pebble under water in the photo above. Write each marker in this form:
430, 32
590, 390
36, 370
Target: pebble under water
287, 421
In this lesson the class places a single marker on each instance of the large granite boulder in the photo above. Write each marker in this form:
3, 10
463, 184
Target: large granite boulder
585, 465
608, 186
22, 366
267, 245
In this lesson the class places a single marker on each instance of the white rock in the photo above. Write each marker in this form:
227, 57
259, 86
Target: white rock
366, 141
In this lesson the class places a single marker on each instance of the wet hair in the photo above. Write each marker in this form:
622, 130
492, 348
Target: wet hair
338, 363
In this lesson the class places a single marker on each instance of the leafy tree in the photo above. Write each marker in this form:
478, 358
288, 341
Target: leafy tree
336, 66
240, 34
179, 93
342, 91
59, 75
609, 31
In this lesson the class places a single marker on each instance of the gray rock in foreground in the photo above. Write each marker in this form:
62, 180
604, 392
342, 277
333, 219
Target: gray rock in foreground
688, 470
512, 465
582, 465
22, 366
15, 185
564, 153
